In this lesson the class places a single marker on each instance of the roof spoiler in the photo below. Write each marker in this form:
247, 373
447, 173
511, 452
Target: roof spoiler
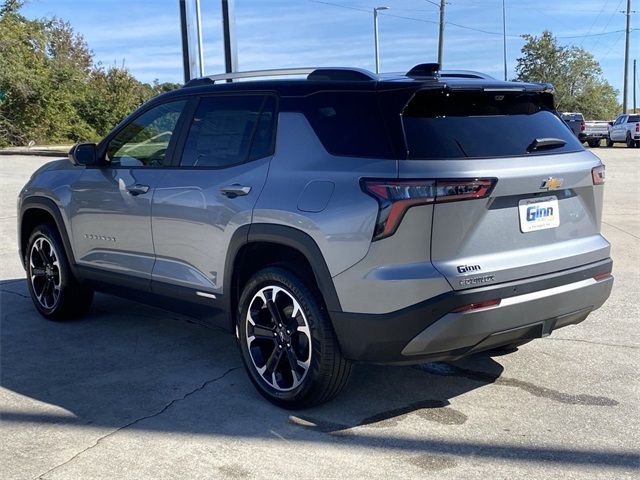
424, 70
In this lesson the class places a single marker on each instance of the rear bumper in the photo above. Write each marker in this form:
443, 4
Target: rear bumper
430, 330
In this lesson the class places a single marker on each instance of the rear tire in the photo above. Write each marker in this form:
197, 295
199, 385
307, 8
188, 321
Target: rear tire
593, 143
287, 342
630, 142
56, 293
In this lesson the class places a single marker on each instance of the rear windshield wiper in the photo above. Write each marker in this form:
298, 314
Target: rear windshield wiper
540, 143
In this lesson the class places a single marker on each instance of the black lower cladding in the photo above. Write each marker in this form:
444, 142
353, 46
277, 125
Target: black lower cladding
380, 338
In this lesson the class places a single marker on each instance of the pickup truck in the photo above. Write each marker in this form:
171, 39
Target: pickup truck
626, 128
575, 121
594, 132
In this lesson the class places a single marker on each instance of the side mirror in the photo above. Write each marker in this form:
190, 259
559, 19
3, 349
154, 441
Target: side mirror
84, 154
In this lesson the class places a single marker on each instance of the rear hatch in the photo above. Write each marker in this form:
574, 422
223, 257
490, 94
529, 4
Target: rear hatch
542, 213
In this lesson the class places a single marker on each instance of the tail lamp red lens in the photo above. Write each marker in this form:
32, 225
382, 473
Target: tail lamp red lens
637, 127
476, 306
597, 173
582, 126
395, 197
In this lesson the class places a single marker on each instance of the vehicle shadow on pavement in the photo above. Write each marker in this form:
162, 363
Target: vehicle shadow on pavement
131, 366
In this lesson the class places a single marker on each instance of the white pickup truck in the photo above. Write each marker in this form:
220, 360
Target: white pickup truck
626, 128
594, 132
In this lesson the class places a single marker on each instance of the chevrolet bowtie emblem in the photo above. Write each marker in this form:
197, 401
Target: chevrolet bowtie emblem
551, 183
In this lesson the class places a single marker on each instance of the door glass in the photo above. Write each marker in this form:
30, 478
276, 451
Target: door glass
144, 141
224, 128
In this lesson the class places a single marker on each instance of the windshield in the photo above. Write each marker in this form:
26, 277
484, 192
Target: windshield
446, 124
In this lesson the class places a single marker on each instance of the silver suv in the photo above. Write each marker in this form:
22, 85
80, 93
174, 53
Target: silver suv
336, 218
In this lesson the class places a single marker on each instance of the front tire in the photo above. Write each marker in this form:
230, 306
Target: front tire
287, 342
609, 143
56, 293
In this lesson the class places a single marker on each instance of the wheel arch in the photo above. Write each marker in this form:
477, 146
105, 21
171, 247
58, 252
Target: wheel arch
36, 210
267, 244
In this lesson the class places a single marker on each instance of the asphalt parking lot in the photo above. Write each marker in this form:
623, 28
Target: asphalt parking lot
136, 392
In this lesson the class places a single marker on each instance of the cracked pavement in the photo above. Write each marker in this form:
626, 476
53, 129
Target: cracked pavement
136, 392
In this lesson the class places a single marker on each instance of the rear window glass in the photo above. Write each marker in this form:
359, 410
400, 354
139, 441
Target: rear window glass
348, 123
448, 125
633, 118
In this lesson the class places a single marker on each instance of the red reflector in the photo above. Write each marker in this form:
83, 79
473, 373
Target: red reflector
476, 306
602, 276
597, 174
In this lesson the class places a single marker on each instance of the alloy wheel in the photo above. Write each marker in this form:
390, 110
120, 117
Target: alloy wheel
44, 272
278, 338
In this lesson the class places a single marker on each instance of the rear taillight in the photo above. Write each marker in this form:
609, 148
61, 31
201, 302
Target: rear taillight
637, 127
597, 173
395, 197
582, 126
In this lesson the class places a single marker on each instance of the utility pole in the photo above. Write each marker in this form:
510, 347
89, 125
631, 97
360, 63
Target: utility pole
441, 33
626, 58
635, 78
504, 38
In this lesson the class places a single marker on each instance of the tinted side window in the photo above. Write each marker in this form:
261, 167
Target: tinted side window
144, 141
348, 123
223, 128
633, 119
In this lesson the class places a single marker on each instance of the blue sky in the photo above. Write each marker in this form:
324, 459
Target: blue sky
284, 33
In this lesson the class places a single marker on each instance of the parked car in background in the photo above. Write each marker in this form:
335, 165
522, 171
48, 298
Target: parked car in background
626, 128
575, 122
595, 131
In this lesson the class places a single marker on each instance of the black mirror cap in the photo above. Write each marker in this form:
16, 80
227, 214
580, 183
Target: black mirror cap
84, 154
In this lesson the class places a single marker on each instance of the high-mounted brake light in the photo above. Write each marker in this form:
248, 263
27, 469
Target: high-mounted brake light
395, 197
597, 173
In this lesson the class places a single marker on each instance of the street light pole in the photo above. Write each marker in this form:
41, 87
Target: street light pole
375, 35
199, 33
504, 38
626, 59
441, 33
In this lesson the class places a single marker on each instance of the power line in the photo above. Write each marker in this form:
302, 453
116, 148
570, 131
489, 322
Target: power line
458, 25
596, 19
615, 11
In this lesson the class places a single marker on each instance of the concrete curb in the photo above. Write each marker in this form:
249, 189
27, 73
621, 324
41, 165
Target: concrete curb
35, 152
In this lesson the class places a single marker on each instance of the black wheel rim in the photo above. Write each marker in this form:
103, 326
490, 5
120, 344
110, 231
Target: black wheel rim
278, 338
44, 273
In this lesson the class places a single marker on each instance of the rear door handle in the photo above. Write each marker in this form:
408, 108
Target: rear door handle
235, 190
137, 189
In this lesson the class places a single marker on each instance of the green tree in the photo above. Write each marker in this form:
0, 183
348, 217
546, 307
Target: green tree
575, 74
50, 89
